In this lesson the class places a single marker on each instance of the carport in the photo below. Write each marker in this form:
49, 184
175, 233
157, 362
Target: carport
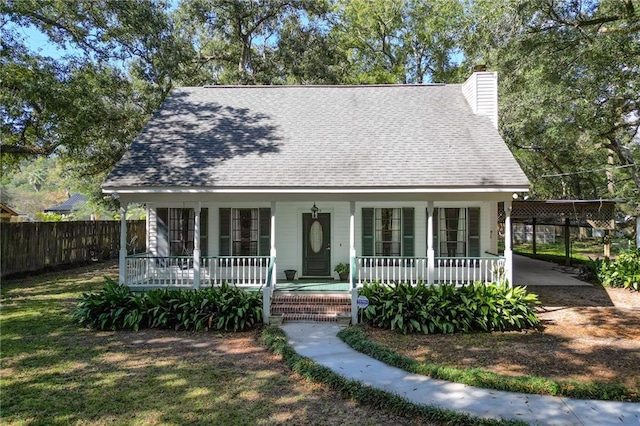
597, 214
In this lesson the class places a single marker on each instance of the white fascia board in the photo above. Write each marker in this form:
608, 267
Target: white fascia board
302, 190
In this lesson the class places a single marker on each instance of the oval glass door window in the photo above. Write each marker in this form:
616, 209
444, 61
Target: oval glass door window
315, 236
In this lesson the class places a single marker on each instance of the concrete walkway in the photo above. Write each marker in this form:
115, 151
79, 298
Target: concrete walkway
319, 342
530, 272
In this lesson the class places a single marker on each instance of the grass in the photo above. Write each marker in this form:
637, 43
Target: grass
54, 373
357, 338
580, 252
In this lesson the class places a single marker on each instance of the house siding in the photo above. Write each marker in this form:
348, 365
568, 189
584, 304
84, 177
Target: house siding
289, 227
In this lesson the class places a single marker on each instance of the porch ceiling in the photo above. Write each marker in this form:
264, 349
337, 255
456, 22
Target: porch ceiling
129, 195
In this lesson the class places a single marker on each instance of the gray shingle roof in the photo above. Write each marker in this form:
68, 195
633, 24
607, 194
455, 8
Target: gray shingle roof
67, 205
317, 136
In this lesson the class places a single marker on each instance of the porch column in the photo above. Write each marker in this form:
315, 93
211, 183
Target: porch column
273, 242
268, 291
148, 228
122, 260
352, 262
196, 245
508, 253
431, 253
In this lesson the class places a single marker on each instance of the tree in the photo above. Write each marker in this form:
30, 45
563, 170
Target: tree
237, 39
309, 53
87, 106
410, 41
570, 78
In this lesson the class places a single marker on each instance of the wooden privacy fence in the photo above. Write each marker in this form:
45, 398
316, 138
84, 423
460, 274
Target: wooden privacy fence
30, 246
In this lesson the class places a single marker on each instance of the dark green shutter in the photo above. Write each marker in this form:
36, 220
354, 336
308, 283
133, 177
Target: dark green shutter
367, 231
204, 231
408, 220
162, 231
225, 232
264, 246
474, 231
435, 232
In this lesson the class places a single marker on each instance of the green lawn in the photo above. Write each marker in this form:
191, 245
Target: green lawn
54, 373
580, 251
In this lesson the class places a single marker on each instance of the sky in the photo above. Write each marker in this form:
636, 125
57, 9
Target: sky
39, 42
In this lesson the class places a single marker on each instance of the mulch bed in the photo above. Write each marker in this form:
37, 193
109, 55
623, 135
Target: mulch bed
589, 334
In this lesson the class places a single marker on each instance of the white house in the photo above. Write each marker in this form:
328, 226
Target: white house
401, 182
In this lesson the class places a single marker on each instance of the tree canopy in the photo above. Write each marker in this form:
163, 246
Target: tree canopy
568, 72
570, 87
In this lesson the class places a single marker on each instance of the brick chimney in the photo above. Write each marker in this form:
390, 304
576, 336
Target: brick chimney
481, 92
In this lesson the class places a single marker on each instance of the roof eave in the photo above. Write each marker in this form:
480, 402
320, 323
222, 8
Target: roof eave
314, 190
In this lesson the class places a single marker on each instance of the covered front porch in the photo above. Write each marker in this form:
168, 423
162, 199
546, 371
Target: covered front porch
409, 240
148, 271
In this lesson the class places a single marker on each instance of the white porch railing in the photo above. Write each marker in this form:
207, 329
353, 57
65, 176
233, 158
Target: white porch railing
391, 269
251, 271
178, 271
148, 270
468, 270
446, 270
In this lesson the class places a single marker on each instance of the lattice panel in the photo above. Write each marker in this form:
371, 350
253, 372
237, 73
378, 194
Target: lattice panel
597, 214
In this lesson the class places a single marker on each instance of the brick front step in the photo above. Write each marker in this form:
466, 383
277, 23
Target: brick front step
283, 308
311, 307
309, 317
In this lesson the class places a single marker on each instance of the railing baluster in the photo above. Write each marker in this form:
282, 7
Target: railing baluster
253, 271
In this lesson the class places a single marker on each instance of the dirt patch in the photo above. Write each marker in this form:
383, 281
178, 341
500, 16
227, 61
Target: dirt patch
590, 334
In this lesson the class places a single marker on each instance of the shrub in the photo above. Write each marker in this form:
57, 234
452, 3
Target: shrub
622, 272
449, 309
237, 309
116, 307
113, 308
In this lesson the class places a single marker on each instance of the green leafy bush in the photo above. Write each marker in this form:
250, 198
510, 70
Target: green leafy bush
622, 272
237, 309
449, 309
116, 307
113, 308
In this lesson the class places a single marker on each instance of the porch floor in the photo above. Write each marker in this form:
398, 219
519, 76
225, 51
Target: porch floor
312, 285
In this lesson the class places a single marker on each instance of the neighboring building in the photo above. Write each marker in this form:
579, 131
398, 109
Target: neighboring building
8, 214
66, 207
242, 183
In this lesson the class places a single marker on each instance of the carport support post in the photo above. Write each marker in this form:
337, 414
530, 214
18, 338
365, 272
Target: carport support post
122, 259
196, 246
431, 253
567, 242
352, 262
533, 241
607, 243
508, 253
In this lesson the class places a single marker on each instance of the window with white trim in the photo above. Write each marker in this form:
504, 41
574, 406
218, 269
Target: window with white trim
456, 232
245, 232
388, 232
175, 230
